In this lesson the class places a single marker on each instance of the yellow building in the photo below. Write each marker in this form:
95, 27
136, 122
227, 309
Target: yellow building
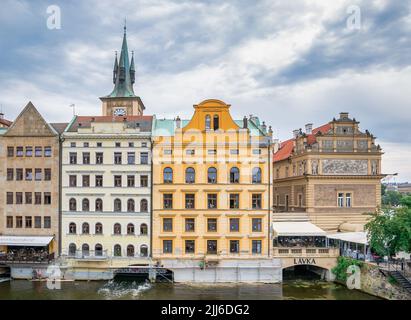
211, 187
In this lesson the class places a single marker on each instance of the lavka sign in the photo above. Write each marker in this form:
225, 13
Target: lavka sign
304, 261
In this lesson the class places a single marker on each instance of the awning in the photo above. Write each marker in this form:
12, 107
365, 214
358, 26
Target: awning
21, 241
354, 237
297, 229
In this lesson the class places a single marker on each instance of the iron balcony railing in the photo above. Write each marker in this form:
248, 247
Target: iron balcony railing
29, 258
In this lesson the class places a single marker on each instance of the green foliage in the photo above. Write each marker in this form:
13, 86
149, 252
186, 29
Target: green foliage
340, 270
391, 198
392, 280
383, 189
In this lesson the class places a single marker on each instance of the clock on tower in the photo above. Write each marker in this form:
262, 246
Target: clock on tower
119, 112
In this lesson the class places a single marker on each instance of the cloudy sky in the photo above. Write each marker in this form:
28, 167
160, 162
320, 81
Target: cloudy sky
288, 62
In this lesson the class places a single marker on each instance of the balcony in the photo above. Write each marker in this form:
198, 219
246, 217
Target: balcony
87, 255
27, 258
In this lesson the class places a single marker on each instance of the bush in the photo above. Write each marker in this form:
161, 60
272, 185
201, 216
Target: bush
340, 270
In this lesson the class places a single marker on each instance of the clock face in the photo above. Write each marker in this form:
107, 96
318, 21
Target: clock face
119, 112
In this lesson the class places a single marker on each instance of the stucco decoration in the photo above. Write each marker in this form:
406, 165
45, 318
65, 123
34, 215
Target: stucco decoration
345, 167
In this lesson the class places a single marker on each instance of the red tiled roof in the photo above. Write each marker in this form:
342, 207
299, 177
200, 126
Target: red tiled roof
286, 147
6, 122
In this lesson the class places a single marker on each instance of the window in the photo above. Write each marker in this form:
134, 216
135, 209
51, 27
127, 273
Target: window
86, 181
98, 250
190, 246
38, 151
85, 250
144, 158
143, 181
47, 174
29, 151
37, 198
234, 224
85, 228
190, 200
207, 122
300, 200
99, 158
85, 205
19, 152
72, 228
131, 144
167, 152
72, 144
86, 144
348, 200
168, 201
72, 250
19, 222
73, 204
212, 201
189, 225
190, 175
29, 198
10, 151
73, 158
144, 144
168, 175
117, 250
341, 200
86, 157
117, 205
117, 181
234, 201
256, 246
99, 144
131, 158
131, 181
117, 158
256, 175
216, 122
211, 225
234, 175
256, 151
47, 151
19, 197
99, 181
99, 228
37, 222
130, 250
9, 197
10, 174
256, 201
212, 152
143, 205
19, 174
211, 246
73, 181
167, 246
256, 224
234, 246
130, 205
130, 229
29, 174
117, 228
167, 224
99, 205
212, 175
118, 144
143, 229
37, 174
234, 151
190, 152
9, 223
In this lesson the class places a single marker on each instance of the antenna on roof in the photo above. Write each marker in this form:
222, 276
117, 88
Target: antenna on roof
73, 106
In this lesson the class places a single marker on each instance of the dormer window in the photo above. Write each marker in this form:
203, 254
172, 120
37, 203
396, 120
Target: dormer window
207, 122
216, 122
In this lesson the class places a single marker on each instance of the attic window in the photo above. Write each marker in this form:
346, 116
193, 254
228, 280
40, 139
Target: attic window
216, 122
207, 122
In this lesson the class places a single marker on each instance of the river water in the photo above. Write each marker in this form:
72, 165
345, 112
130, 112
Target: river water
108, 290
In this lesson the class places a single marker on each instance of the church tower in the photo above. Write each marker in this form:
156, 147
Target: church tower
122, 101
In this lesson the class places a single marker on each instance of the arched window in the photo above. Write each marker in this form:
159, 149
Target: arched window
98, 250
168, 175
85, 250
190, 175
216, 122
143, 229
86, 205
130, 205
208, 122
212, 175
130, 250
117, 228
72, 249
73, 204
130, 228
256, 175
99, 228
234, 175
117, 205
99, 205
143, 205
143, 251
85, 229
117, 250
72, 228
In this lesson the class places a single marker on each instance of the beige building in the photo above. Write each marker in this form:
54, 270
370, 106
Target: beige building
330, 175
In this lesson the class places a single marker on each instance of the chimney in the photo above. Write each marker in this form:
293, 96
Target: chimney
309, 128
178, 122
344, 115
245, 122
295, 133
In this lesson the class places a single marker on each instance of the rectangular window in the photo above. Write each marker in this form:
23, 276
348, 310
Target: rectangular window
131, 144
19, 152
234, 224
47, 222
29, 151
29, 174
234, 151
38, 151
256, 246
117, 158
167, 224
212, 201
86, 181
73, 158
341, 200
47, 152
256, 201
190, 246
9, 198
190, 152
10, 152
234, 246
19, 222
144, 158
99, 144
73, 181
211, 225
72, 144
29, 222
37, 222
86, 157
117, 181
234, 201
256, 224
86, 144
167, 246
143, 181
9, 222
47, 198
99, 158
29, 197
131, 158
19, 174
37, 174
212, 152
348, 200
10, 174
168, 151
99, 181
37, 198
168, 201
131, 181
19, 197
144, 144
190, 201
190, 224
47, 174
118, 144
211, 246
256, 151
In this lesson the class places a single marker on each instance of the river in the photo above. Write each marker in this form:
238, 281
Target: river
108, 290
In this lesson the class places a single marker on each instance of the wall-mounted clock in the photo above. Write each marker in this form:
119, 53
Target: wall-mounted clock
119, 112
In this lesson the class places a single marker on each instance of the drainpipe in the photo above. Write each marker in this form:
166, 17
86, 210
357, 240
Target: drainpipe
151, 199
60, 229
269, 200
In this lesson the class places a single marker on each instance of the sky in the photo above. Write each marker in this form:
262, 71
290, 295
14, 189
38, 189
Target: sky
287, 62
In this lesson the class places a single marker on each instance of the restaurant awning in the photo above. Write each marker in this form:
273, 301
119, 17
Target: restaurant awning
297, 229
354, 237
22, 241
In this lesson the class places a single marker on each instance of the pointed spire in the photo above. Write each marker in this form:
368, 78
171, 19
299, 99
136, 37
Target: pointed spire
132, 69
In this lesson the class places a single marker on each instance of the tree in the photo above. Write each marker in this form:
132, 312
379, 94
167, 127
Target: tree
391, 198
